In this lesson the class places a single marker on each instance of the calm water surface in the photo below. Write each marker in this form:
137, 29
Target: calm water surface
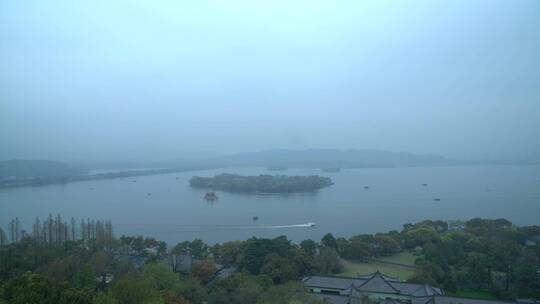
164, 206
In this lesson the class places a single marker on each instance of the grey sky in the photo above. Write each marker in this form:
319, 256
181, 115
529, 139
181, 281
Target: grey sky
111, 80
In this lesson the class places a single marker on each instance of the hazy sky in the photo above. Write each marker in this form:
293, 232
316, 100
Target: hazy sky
113, 80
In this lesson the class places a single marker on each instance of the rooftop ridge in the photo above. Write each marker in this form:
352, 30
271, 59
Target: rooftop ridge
335, 276
380, 275
372, 274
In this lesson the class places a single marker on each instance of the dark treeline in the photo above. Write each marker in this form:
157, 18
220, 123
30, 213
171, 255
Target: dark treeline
479, 254
261, 183
492, 256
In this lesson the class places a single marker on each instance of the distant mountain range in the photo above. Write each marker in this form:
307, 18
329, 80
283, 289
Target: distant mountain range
277, 158
331, 158
310, 158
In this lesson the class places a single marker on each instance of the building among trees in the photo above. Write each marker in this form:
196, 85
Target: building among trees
379, 288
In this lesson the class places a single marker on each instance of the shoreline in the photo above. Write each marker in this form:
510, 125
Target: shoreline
37, 182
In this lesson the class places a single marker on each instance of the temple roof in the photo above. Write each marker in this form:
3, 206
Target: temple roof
373, 282
386, 277
377, 283
332, 282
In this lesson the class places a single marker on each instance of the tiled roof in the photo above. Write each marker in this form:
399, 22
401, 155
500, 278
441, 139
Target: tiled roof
422, 300
386, 277
377, 284
374, 282
417, 290
332, 282
353, 288
425, 290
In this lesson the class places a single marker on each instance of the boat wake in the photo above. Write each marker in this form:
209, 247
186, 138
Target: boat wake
306, 225
211, 228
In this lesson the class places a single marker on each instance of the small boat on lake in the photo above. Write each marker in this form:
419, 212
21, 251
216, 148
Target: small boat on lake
425, 185
366, 187
210, 196
255, 218
311, 224
437, 199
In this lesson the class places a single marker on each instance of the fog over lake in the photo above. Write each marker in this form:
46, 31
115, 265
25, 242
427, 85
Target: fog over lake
164, 206
137, 135
151, 80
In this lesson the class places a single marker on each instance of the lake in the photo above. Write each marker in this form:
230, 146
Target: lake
164, 206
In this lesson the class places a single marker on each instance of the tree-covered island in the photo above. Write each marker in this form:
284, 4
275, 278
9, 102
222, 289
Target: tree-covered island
261, 183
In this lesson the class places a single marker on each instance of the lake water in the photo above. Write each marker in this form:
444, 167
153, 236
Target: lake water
164, 206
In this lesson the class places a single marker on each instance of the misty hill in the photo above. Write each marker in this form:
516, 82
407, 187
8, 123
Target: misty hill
32, 169
325, 158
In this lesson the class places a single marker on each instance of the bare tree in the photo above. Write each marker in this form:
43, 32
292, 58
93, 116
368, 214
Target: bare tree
18, 229
83, 231
53, 230
3, 238
73, 229
36, 230
50, 229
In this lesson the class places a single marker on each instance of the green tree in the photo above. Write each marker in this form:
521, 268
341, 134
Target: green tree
527, 278
197, 248
309, 246
31, 288
256, 249
504, 255
133, 289
343, 247
359, 249
85, 278
191, 290
239, 288
327, 261
100, 262
63, 269
172, 298
76, 296
104, 298
421, 236
204, 271
279, 269
228, 253
385, 245
478, 275
161, 276
427, 273
329, 241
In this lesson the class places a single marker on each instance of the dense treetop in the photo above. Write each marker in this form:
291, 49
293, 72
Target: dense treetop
261, 183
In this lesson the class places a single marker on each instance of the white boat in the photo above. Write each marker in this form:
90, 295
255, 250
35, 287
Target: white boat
311, 224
